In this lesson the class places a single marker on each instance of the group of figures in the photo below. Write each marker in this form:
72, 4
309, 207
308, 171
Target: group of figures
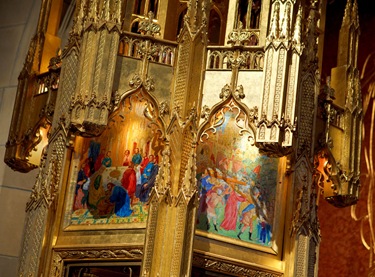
233, 207
104, 188
237, 185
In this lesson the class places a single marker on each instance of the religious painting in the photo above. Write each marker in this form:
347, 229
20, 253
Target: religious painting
115, 172
237, 185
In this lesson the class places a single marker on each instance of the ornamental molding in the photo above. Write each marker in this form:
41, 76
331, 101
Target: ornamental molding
230, 268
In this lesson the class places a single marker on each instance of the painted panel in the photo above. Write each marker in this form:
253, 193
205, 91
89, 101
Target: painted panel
115, 172
237, 185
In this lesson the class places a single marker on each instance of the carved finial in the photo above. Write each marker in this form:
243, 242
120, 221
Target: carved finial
348, 12
136, 81
93, 10
239, 36
274, 29
106, 11
163, 179
285, 28
189, 181
117, 16
196, 15
148, 27
297, 28
355, 17
78, 22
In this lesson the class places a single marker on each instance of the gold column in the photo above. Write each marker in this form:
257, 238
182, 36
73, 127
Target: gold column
171, 221
101, 33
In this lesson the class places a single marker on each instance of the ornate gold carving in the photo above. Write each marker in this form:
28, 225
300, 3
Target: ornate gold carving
149, 84
164, 109
48, 179
163, 179
219, 58
149, 50
31, 248
189, 181
215, 118
274, 27
90, 104
135, 82
342, 120
40, 111
182, 73
239, 36
148, 27
205, 113
226, 267
305, 212
226, 91
60, 256
278, 121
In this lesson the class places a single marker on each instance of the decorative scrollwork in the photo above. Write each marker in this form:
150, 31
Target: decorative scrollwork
136, 81
164, 108
226, 267
242, 121
59, 256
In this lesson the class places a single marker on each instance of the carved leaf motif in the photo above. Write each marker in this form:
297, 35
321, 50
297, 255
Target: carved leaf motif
149, 84
225, 92
239, 36
164, 108
205, 112
239, 94
148, 27
136, 81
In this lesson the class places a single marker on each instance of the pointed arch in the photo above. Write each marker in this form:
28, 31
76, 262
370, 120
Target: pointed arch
230, 168
180, 22
215, 26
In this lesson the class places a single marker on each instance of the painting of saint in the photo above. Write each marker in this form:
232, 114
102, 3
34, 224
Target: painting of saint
237, 185
117, 169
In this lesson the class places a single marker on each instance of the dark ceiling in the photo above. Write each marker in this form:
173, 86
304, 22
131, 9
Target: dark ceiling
335, 12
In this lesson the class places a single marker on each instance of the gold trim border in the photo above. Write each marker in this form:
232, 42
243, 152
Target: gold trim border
63, 255
200, 260
204, 261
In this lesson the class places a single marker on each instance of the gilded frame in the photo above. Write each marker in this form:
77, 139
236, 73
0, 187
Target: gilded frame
149, 113
231, 100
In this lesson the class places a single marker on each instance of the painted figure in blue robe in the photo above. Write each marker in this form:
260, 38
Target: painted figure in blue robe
137, 158
205, 186
265, 231
107, 161
121, 199
148, 179
148, 169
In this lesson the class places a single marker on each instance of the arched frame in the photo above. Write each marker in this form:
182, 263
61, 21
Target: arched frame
241, 191
107, 173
